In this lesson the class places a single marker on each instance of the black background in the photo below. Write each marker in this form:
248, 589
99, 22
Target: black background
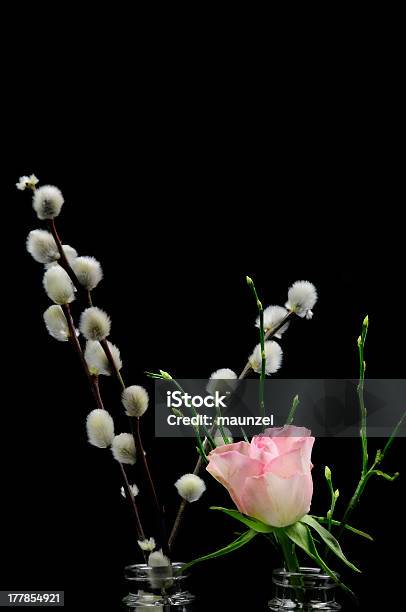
179, 197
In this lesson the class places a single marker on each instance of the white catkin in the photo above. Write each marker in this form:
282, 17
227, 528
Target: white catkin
96, 358
273, 358
70, 254
100, 428
56, 323
135, 400
58, 285
88, 271
47, 202
42, 246
158, 559
123, 448
273, 315
190, 487
148, 544
222, 381
302, 296
95, 324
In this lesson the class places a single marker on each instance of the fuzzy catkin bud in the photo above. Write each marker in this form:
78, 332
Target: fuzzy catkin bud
147, 544
223, 381
123, 448
95, 324
190, 487
42, 246
27, 182
273, 315
88, 271
58, 285
47, 202
100, 428
302, 296
273, 357
135, 400
96, 358
70, 254
56, 323
158, 559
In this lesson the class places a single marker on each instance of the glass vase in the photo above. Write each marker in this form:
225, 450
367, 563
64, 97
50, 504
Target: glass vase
307, 590
157, 589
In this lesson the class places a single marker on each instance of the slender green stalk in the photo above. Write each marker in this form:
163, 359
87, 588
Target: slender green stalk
333, 496
292, 411
361, 398
367, 473
288, 551
251, 284
291, 562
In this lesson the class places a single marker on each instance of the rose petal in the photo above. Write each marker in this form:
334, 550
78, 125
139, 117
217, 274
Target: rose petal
277, 501
231, 469
296, 461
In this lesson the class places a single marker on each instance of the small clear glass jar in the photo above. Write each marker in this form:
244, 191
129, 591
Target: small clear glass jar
307, 590
157, 589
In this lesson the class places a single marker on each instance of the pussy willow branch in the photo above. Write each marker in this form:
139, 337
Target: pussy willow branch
94, 385
73, 339
175, 529
63, 259
106, 348
136, 432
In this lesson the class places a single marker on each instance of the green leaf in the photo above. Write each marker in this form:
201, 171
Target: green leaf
324, 521
252, 523
328, 539
300, 535
238, 543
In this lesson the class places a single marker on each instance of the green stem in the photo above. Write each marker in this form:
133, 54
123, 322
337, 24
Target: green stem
291, 562
292, 411
288, 551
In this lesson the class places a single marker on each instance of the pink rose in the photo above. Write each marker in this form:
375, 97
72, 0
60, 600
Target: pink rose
269, 479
